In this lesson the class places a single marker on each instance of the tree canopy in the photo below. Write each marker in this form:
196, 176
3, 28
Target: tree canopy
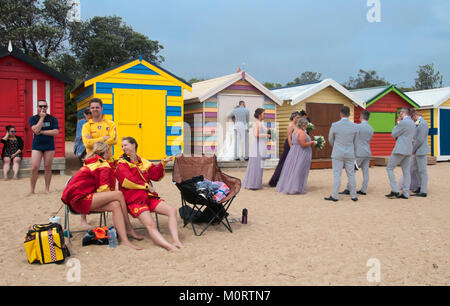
365, 79
427, 78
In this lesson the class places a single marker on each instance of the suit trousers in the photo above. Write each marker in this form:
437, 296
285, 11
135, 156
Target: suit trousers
420, 165
405, 162
349, 165
241, 139
363, 164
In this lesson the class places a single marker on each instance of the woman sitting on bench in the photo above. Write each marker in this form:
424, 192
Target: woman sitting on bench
134, 174
91, 189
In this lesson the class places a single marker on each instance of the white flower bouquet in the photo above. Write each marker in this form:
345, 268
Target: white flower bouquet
320, 142
310, 127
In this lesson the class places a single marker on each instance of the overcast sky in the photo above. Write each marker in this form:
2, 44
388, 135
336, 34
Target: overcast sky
278, 40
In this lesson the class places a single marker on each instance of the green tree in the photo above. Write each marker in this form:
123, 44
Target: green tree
272, 85
195, 80
38, 28
365, 79
104, 42
427, 78
306, 77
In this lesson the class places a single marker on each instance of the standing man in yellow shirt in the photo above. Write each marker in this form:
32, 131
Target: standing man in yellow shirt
98, 128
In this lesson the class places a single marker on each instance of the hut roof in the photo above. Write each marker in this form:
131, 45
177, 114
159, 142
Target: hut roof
373, 94
36, 64
430, 98
296, 94
205, 89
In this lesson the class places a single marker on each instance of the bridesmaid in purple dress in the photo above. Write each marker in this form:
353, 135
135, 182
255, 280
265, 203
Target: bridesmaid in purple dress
258, 152
287, 146
294, 175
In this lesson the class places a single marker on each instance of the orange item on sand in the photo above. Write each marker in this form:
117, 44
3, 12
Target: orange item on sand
100, 232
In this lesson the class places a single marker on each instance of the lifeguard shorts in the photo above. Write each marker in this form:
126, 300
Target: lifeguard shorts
135, 209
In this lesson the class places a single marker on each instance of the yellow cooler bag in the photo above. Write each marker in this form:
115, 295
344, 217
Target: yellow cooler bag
45, 244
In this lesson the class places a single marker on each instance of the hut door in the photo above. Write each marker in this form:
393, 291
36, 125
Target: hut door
444, 132
322, 115
127, 116
141, 115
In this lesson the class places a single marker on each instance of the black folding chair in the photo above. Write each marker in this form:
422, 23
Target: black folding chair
194, 204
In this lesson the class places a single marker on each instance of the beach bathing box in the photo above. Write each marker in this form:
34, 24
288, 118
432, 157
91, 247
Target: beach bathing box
207, 107
322, 102
23, 81
145, 102
384, 104
435, 109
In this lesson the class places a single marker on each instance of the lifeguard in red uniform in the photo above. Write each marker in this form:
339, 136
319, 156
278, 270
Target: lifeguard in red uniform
91, 190
135, 175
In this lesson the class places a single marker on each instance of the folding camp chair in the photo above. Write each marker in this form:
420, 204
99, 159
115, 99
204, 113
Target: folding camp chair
188, 167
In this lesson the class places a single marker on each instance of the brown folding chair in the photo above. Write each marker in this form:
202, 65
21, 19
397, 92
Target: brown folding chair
188, 167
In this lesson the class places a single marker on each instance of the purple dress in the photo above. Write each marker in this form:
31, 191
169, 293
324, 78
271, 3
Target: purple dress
294, 176
258, 152
276, 175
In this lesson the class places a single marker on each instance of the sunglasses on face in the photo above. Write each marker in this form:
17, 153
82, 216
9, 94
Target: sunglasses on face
42, 106
12, 131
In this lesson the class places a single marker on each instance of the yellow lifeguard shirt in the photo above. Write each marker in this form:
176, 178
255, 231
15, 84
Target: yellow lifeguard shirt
98, 130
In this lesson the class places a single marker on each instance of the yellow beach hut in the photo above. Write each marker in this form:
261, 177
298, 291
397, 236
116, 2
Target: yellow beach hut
144, 100
322, 102
435, 109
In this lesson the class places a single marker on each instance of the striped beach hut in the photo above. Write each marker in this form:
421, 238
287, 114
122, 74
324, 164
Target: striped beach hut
144, 100
207, 107
322, 102
435, 109
384, 104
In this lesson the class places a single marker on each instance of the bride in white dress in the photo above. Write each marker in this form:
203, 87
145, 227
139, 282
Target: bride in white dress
227, 148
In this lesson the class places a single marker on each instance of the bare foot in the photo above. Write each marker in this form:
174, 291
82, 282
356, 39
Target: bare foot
171, 247
85, 225
178, 245
135, 235
129, 244
30, 193
47, 192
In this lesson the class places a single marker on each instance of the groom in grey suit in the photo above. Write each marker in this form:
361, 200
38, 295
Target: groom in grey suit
403, 133
242, 118
420, 151
363, 152
342, 137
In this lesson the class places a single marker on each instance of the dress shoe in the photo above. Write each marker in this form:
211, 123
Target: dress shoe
417, 190
360, 192
401, 196
330, 198
354, 199
392, 194
420, 194
246, 159
237, 159
346, 191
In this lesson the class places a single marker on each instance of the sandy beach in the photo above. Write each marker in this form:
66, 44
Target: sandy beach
289, 240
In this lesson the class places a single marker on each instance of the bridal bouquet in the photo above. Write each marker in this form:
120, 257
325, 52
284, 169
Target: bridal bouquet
320, 142
310, 127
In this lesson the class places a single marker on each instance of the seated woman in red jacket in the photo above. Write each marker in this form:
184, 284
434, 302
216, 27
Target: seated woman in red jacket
91, 190
134, 174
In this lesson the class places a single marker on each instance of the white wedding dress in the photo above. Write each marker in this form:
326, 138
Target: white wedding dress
226, 152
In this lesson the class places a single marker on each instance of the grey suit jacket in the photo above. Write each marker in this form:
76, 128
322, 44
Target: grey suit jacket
365, 134
342, 137
420, 145
242, 116
404, 132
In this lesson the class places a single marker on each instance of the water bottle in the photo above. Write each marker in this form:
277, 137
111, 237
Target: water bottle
112, 237
244, 216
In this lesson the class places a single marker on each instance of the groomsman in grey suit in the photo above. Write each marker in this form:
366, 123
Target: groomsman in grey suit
403, 132
363, 152
242, 118
420, 151
342, 137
